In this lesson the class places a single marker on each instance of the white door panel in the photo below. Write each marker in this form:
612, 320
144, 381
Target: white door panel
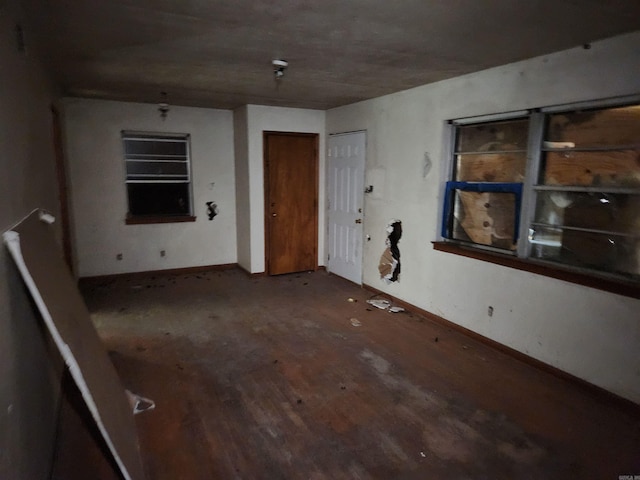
346, 161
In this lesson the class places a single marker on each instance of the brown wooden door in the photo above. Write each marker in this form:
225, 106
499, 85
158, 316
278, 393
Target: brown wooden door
291, 202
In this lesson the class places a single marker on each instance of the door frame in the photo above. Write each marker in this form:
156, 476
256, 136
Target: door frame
61, 179
316, 186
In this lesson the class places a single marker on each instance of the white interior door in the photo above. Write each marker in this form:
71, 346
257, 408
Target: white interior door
345, 160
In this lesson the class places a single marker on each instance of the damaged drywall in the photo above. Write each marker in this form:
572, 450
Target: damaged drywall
212, 210
41, 265
389, 266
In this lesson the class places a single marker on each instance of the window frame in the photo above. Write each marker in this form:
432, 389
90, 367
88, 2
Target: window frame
521, 257
135, 135
514, 188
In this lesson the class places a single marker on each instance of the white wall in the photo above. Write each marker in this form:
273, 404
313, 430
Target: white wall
589, 333
30, 368
260, 119
243, 200
99, 197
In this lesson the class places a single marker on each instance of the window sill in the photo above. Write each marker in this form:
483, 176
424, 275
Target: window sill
619, 287
130, 220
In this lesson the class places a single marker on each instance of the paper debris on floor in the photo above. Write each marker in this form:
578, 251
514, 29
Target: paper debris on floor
383, 304
380, 303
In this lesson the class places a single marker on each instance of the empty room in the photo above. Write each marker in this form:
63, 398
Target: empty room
320, 240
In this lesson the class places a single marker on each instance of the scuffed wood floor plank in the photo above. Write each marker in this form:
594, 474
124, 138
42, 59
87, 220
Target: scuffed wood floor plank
267, 378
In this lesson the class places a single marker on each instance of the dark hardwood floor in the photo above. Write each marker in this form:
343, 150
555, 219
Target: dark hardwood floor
268, 378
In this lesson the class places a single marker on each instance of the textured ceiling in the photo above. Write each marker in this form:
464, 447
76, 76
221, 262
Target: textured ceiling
215, 53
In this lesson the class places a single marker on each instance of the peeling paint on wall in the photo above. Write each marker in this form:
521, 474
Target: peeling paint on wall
389, 266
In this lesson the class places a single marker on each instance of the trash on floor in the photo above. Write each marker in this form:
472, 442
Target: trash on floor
355, 322
384, 304
380, 303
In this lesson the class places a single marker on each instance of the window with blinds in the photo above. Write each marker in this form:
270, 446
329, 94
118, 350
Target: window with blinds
158, 174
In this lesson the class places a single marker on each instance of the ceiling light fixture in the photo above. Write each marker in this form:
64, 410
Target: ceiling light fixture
163, 106
279, 66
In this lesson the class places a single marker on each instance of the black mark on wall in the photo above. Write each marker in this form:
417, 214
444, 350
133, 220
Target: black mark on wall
212, 210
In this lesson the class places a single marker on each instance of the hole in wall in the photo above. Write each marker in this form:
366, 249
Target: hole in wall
389, 266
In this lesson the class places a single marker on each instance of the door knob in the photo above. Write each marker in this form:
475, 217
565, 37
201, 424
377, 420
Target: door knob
358, 220
274, 214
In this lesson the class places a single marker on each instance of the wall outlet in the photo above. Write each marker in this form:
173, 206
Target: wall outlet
119, 256
490, 311
163, 253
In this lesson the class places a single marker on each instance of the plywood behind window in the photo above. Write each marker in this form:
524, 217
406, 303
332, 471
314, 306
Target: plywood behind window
493, 137
596, 168
485, 218
496, 167
615, 126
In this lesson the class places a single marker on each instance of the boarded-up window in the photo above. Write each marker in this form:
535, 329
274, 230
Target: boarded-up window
588, 199
580, 188
483, 198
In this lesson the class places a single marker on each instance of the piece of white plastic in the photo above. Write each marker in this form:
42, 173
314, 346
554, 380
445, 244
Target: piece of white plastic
547, 144
46, 217
138, 403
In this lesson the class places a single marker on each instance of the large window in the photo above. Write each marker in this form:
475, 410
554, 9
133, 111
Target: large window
158, 176
483, 200
560, 186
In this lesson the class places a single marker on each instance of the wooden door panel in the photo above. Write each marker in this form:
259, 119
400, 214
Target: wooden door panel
291, 202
